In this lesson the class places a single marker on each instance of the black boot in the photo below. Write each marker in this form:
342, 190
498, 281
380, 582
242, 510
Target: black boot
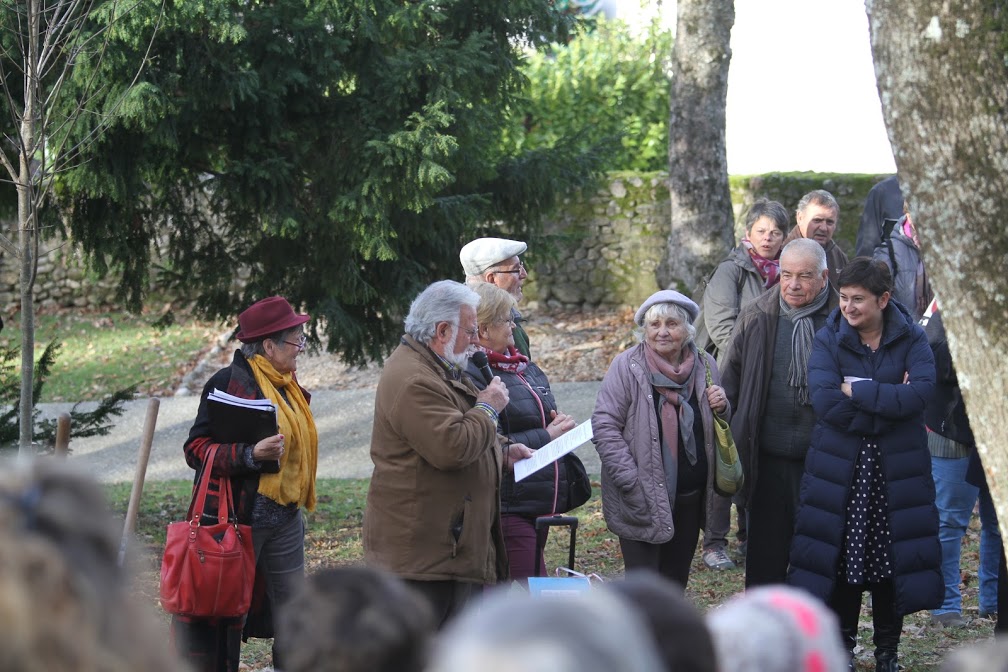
849, 637
846, 604
888, 626
888, 629
885, 660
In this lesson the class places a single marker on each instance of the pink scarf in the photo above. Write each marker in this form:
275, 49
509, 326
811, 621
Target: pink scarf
682, 382
769, 269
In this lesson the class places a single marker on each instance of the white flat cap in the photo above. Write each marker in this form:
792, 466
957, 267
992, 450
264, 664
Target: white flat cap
479, 255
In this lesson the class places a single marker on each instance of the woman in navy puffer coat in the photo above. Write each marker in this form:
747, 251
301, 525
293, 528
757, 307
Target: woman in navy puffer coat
867, 519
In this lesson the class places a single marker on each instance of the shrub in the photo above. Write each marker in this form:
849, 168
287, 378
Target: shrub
607, 87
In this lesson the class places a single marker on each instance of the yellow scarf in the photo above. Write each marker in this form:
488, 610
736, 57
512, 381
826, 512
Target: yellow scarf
295, 482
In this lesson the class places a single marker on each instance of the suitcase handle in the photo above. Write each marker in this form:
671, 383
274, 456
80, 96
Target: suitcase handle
544, 523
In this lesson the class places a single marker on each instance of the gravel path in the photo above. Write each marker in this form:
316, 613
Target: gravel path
574, 349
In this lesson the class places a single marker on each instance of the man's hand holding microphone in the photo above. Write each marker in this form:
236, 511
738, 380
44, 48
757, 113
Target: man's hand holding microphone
496, 395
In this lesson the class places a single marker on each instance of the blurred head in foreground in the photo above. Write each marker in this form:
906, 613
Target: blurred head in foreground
677, 628
355, 619
508, 632
65, 604
776, 629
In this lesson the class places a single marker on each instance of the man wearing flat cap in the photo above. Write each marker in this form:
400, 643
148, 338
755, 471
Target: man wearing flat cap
495, 260
765, 374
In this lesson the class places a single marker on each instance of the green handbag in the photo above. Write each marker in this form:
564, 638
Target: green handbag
728, 476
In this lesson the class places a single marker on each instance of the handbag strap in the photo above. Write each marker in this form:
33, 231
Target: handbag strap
706, 363
225, 503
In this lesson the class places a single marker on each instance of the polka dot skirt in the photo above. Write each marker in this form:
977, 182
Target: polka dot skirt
867, 556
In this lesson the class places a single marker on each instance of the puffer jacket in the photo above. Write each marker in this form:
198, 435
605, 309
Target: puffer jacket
891, 412
635, 497
524, 421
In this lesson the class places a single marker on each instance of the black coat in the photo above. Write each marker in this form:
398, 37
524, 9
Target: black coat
524, 421
892, 413
946, 414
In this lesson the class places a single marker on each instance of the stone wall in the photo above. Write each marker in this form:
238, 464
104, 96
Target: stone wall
62, 281
603, 250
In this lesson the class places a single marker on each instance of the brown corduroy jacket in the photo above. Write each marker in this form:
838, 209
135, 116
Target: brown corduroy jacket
433, 506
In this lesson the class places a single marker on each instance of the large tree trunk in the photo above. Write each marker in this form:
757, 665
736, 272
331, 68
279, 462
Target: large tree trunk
943, 81
702, 218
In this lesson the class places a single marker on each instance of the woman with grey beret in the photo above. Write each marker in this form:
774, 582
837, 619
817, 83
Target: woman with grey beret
653, 429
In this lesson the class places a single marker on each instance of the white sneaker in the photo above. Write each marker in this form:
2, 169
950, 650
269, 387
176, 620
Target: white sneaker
716, 558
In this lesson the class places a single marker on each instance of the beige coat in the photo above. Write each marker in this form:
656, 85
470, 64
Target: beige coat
433, 506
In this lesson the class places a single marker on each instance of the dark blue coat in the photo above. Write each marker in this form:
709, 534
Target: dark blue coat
892, 412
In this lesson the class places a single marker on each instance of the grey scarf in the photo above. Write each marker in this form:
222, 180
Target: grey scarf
801, 341
677, 397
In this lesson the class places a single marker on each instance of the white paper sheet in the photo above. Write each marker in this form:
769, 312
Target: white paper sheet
553, 450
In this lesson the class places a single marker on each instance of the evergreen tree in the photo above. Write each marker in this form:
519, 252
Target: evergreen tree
341, 151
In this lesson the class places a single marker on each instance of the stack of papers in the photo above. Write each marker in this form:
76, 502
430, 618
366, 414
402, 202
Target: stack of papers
238, 420
553, 451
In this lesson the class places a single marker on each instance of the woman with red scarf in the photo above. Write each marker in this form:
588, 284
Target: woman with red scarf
749, 270
530, 418
653, 428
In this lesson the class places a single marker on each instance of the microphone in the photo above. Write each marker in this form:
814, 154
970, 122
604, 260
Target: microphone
479, 358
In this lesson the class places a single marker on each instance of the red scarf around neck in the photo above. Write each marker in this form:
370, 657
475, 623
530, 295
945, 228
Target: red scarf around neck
511, 361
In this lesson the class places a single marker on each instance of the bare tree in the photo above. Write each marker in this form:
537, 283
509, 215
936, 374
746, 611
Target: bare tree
41, 43
943, 80
702, 228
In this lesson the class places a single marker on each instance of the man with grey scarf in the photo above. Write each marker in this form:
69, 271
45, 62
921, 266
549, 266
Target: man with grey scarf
765, 374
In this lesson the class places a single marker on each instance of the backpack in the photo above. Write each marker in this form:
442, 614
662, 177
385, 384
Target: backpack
703, 339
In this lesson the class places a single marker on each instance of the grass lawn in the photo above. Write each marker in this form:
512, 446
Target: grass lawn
105, 351
334, 538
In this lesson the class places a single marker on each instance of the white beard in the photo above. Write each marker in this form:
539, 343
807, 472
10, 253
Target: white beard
461, 360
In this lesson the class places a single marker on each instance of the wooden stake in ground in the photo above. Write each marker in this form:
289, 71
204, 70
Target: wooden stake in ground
141, 472
63, 435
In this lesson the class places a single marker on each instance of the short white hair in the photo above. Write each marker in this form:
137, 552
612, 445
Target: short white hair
806, 247
593, 631
441, 301
663, 310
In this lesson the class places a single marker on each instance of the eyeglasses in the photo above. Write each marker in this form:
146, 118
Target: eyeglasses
521, 269
506, 320
300, 345
471, 333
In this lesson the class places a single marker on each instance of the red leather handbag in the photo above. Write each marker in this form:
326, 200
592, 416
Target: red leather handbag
208, 570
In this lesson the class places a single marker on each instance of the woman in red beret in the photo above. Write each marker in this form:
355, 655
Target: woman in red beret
268, 498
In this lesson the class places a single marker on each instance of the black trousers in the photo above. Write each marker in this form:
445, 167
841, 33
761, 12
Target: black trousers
846, 603
673, 558
773, 507
446, 598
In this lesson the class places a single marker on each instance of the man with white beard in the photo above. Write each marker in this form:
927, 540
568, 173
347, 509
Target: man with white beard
433, 505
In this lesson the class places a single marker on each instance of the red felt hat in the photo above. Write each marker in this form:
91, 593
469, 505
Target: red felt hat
267, 317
